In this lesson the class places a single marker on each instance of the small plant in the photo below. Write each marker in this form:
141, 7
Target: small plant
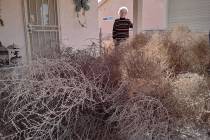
79, 6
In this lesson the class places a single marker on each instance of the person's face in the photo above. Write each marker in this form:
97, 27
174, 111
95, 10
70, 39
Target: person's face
123, 13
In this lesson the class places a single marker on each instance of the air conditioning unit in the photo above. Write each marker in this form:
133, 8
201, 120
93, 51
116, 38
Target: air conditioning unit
4, 55
9, 56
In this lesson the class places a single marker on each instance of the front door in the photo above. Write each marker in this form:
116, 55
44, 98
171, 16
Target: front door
42, 28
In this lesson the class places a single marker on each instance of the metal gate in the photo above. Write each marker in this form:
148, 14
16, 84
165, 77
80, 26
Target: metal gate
42, 28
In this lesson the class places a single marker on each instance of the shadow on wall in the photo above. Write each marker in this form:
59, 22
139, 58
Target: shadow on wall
1, 22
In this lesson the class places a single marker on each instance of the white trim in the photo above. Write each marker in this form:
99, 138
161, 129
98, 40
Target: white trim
59, 22
27, 37
166, 13
137, 16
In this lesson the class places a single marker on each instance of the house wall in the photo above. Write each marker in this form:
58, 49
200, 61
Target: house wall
193, 13
154, 14
13, 29
71, 33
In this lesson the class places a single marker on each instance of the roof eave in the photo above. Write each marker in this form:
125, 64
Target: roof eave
102, 2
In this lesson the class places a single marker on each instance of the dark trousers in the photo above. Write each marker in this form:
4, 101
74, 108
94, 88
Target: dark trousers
117, 43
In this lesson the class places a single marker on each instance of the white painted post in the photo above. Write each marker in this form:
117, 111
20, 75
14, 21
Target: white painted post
166, 2
100, 41
137, 16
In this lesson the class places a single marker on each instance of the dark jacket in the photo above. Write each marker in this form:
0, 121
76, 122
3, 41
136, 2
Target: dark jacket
121, 29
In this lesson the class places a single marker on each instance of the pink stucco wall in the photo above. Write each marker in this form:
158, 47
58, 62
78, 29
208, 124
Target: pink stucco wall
72, 34
153, 14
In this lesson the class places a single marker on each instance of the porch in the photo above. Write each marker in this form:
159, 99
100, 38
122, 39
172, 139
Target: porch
42, 27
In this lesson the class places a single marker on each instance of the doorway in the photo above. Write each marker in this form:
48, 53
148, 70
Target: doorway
42, 29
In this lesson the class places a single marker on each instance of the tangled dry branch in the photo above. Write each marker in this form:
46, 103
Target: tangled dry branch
71, 98
144, 91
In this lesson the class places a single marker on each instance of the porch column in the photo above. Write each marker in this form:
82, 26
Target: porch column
166, 2
137, 16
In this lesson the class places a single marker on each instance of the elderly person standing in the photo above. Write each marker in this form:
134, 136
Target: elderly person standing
121, 27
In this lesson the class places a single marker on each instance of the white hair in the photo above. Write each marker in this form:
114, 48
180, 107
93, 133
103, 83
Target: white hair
121, 9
